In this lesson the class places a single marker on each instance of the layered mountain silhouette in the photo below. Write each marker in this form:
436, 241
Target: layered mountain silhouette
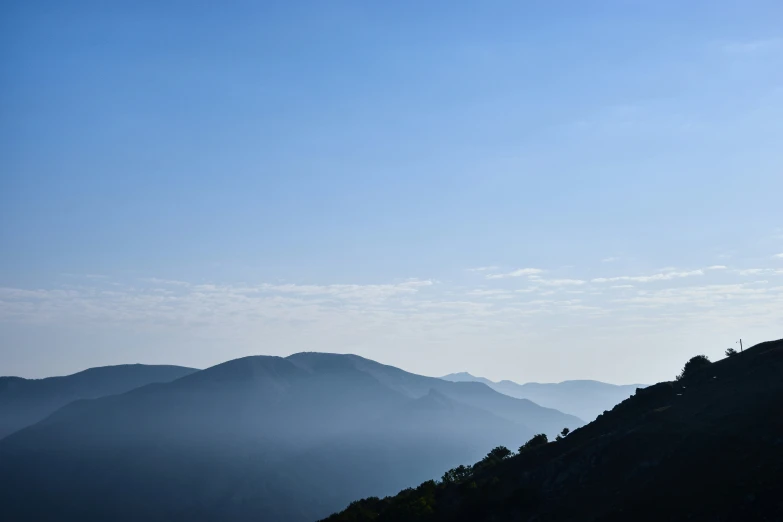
707, 447
583, 398
257, 438
26, 401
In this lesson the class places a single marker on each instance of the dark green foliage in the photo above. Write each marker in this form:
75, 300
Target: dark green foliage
536, 441
493, 457
365, 509
465, 490
498, 453
457, 474
694, 366
730, 352
414, 505
466, 494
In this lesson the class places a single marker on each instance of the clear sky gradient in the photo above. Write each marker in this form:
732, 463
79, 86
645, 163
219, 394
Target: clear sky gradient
540, 190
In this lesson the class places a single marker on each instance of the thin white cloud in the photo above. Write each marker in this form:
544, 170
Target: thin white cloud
167, 282
716, 267
755, 271
779, 256
217, 305
516, 273
610, 259
347, 291
663, 276
723, 299
482, 268
481, 292
416, 312
557, 282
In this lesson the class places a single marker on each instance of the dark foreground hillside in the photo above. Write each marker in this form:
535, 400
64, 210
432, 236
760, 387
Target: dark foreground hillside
708, 447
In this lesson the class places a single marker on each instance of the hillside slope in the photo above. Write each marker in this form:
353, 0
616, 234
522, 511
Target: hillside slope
26, 401
478, 395
706, 448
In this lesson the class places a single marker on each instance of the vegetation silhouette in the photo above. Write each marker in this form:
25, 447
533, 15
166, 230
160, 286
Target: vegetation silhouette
694, 366
702, 452
536, 441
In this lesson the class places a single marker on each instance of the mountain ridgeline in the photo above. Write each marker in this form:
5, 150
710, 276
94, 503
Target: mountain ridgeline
706, 447
257, 438
582, 398
26, 401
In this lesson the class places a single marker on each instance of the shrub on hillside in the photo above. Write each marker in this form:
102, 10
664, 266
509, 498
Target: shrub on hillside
457, 474
694, 366
499, 453
536, 441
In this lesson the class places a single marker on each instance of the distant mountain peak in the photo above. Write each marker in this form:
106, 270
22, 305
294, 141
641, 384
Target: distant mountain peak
466, 377
583, 398
266, 369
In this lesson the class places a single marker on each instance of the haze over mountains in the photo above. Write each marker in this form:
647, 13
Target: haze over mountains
26, 401
296, 438
584, 398
260, 437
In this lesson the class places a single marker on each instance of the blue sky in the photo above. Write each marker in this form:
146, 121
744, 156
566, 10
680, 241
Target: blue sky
190, 183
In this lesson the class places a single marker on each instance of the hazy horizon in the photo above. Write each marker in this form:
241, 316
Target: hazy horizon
500, 189
438, 376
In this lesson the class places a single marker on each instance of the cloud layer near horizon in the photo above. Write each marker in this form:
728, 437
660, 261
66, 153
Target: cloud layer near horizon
490, 310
